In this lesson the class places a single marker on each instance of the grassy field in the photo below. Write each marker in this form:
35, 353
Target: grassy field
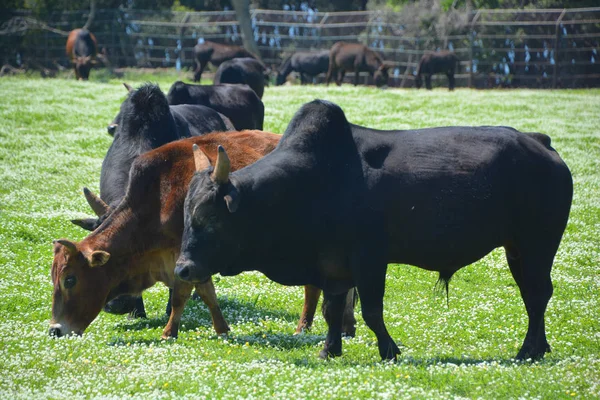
52, 142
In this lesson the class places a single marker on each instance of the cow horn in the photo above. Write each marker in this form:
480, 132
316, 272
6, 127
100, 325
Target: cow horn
128, 87
200, 159
221, 173
97, 204
70, 246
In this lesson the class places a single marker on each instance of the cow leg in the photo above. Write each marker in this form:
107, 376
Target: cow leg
450, 80
532, 275
311, 299
139, 311
302, 79
169, 303
340, 77
349, 322
207, 293
333, 309
199, 69
428, 81
370, 281
181, 293
330, 73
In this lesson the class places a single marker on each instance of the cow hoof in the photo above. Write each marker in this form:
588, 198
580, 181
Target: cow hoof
326, 355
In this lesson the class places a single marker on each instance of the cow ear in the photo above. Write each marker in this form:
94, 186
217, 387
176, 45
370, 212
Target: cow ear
98, 258
232, 199
128, 87
86, 223
200, 159
221, 173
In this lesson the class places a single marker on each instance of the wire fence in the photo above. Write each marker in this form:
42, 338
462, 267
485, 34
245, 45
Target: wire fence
508, 48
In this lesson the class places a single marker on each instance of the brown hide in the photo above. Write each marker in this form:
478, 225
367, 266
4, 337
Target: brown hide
355, 57
142, 236
81, 64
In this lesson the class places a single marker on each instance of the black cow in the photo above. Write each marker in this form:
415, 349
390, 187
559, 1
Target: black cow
305, 63
442, 62
145, 122
239, 103
216, 54
334, 203
82, 50
356, 57
245, 71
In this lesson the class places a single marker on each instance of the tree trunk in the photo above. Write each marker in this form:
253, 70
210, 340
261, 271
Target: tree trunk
91, 15
242, 10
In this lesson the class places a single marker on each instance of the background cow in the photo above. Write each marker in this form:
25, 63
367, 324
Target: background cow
442, 62
306, 64
145, 122
138, 243
334, 203
82, 50
216, 54
246, 71
239, 103
355, 57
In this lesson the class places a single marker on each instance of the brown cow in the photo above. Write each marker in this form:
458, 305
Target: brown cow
356, 57
82, 50
136, 246
216, 54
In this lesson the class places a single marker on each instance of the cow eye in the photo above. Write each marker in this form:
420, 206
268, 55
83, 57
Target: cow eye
70, 281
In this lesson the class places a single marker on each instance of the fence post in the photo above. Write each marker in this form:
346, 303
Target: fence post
471, 44
556, 35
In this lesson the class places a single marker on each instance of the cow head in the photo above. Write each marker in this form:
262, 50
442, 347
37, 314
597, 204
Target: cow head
211, 197
81, 287
280, 80
381, 75
83, 65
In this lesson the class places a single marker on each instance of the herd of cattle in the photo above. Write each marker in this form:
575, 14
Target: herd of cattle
237, 65
191, 186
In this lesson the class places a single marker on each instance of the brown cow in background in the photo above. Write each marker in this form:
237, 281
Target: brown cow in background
356, 57
82, 50
216, 54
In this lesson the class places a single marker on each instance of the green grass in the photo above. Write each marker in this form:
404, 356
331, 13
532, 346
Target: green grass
52, 142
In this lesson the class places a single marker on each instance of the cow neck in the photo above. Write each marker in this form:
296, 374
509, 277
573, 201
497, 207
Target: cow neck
115, 234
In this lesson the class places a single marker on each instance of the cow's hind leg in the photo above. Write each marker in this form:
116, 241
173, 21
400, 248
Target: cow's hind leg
333, 309
207, 293
531, 271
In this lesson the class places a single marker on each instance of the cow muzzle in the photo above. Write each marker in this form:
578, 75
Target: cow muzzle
58, 330
189, 272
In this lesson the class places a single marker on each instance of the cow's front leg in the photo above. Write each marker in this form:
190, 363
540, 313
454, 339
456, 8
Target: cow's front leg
370, 282
181, 293
311, 299
333, 309
207, 293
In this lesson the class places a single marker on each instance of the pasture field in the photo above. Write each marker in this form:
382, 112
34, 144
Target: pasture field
52, 142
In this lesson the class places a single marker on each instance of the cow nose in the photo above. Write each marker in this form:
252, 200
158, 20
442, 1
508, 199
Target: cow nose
183, 271
55, 332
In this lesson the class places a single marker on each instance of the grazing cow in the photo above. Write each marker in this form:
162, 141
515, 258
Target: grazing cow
442, 62
334, 203
356, 57
305, 63
145, 122
138, 243
239, 103
216, 54
246, 71
82, 50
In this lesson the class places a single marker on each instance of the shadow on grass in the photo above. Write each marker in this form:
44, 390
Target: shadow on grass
196, 315
423, 363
